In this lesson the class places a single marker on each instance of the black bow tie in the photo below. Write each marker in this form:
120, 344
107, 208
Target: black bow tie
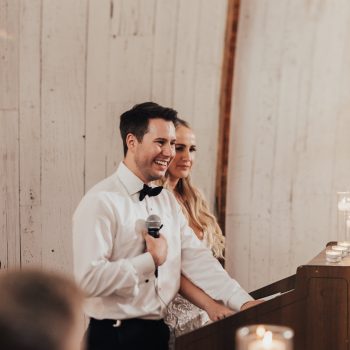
149, 191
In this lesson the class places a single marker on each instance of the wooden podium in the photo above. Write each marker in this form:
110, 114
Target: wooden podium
314, 303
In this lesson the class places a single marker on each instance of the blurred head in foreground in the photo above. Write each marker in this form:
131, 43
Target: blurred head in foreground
39, 310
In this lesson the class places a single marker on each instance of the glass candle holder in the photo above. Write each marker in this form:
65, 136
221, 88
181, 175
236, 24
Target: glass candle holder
342, 249
264, 337
333, 256
343, 222
345, 244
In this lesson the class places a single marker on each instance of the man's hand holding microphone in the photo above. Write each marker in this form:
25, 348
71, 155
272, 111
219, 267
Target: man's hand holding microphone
156, 243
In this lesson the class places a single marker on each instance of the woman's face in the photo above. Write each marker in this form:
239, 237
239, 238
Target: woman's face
185, 148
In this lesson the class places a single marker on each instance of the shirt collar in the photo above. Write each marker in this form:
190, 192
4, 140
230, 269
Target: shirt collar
130, 181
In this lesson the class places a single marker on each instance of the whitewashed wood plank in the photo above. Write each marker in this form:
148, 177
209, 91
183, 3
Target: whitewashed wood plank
185, 57
284, 170
63, 125
242, 141
164, 49
253, 126
133, 18
207, 84
30, 132
129, 83
292, 80
9, 54
9, 191
130, 73
277, 89
100, 13
237, 249
316, 163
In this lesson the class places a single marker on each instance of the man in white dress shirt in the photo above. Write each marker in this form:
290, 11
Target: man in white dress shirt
114, 257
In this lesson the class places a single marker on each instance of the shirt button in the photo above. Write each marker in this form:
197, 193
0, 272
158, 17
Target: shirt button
147, 281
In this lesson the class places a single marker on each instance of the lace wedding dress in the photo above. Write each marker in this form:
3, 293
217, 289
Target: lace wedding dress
182, 317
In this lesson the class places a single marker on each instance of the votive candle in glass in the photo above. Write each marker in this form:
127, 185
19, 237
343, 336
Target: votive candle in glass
264, 337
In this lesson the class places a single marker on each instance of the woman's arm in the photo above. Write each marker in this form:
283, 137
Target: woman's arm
196, 296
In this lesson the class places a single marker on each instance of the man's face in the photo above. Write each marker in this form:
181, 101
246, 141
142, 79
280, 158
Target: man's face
154, 153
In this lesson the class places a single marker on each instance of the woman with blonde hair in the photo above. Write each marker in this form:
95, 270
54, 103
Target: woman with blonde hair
183, 315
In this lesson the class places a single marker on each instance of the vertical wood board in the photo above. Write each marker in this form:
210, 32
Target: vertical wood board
63, 125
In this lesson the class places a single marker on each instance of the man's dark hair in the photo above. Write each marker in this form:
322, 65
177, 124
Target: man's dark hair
136, 120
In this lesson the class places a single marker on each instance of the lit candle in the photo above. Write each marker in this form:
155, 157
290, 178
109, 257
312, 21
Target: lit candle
264, 337
267, 343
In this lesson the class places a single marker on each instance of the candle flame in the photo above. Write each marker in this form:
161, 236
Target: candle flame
260, 331
267, 340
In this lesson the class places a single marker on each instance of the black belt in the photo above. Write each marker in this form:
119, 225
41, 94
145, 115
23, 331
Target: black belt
118, 323
128, 334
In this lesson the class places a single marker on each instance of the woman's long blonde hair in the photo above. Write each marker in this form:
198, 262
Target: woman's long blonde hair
195, 207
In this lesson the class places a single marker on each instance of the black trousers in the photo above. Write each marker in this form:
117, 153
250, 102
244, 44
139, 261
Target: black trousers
130, 335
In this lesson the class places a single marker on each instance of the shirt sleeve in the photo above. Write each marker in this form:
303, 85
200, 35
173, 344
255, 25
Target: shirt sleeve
203, 269
95, 225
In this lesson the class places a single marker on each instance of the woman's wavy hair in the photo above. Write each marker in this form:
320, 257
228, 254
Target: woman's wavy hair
195, 207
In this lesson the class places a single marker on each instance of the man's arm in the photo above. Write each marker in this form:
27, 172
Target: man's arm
95, 226
196, 296
202, 269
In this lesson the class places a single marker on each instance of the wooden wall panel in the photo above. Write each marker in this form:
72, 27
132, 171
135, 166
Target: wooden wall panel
9, 147
97, 76
9, 190
69, 69
63, 125
9, 76
30, 132
130, 66
185, 59
198, 61
207, 92
288, 154
159, 53
164, 49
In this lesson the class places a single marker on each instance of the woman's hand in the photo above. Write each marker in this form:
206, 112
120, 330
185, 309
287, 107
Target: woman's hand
217, 311
252, 303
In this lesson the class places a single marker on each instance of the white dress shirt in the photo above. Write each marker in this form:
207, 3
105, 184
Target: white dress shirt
110, 262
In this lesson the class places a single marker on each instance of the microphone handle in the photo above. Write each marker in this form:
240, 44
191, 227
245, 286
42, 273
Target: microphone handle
154, 232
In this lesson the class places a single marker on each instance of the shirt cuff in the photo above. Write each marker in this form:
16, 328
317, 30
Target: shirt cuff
239, 298
143, 264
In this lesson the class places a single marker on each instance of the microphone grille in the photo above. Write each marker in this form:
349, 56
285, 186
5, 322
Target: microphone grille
153, 221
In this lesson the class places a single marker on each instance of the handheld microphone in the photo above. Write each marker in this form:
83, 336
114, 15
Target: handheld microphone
153, 225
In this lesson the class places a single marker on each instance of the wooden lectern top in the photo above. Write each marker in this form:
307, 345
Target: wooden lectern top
314, 303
